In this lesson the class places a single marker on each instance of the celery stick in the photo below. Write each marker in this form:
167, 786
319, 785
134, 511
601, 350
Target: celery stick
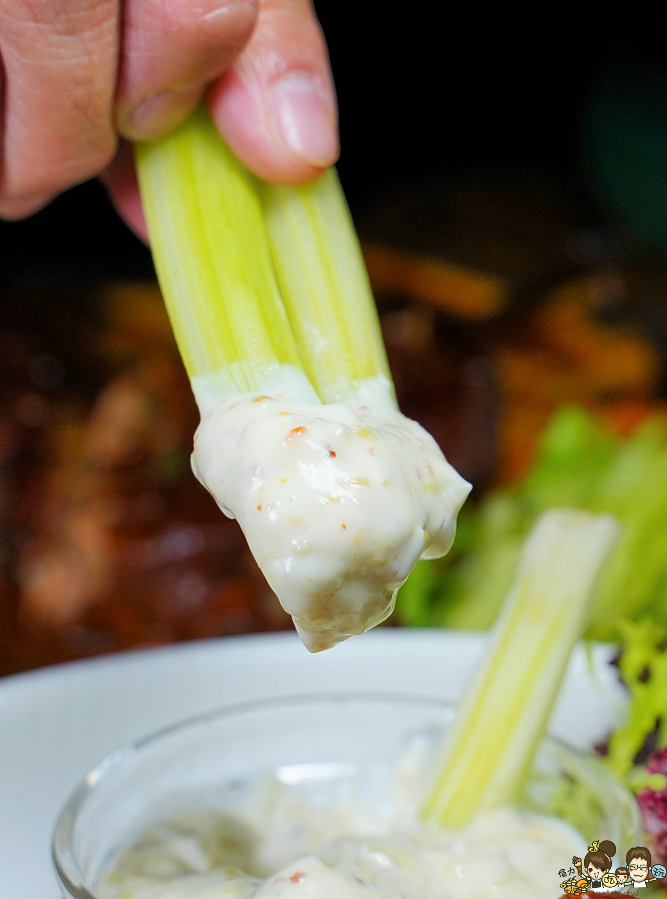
491, 745
335, 531
212, 256
325, 286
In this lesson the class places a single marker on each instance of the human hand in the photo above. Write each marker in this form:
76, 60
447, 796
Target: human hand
80, 74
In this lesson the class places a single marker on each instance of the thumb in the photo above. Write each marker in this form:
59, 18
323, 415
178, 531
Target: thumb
276, 106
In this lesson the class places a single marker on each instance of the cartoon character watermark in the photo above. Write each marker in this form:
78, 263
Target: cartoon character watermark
622, 876
640, 871
638, 860
594, 873
575, 886
597, 864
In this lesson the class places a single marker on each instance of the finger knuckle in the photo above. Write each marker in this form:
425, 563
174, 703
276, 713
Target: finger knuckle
213, 21
56, 170
13, 209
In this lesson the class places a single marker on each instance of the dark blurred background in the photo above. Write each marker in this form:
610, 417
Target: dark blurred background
509, 182
468, 94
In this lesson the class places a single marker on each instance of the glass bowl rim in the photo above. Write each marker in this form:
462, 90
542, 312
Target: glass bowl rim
116, 757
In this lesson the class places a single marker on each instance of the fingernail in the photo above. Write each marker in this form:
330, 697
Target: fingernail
306, 119
160, 114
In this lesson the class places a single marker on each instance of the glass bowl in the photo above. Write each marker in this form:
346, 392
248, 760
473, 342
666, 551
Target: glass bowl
208, 761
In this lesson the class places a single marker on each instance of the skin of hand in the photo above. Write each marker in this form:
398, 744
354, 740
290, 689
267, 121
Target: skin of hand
82, 75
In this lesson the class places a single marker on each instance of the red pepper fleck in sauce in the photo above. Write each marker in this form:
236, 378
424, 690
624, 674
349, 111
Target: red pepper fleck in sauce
298, 876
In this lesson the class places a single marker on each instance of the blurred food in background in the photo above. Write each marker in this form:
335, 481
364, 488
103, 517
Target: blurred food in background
108, 540
581, 463
499, 304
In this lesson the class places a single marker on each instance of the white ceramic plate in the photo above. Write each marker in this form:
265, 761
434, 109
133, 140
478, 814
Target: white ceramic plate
56, 723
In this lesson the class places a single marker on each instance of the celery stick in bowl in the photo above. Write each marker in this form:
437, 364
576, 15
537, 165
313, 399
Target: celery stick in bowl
301, 439
320, 796
315, 796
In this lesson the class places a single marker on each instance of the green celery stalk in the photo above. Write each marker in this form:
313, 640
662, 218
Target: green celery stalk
265, 286
212, 256
488, 752
325, 286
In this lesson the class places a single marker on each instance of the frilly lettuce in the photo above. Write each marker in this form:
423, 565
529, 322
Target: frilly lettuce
579, 464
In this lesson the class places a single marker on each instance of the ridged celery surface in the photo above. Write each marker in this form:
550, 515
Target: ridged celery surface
325, 286
284, 308
211, 252
489, 750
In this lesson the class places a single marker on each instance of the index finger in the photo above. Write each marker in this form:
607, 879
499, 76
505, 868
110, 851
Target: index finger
60, 61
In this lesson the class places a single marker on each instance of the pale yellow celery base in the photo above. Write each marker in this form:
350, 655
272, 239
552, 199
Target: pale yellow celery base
502, 720
281, 380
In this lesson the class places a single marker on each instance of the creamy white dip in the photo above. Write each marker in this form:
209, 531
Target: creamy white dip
337, 502
339, 851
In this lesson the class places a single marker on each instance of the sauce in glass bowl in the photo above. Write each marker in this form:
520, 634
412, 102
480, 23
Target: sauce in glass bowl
244, 801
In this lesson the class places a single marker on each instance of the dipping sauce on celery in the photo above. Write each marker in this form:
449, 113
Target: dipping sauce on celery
301, 439
337, 502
